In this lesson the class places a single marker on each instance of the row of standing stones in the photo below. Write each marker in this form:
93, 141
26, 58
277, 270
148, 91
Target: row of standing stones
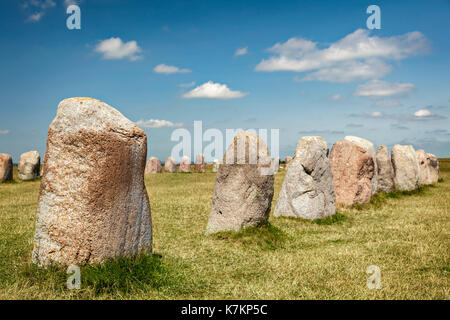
28, 167
93, 203
154, 165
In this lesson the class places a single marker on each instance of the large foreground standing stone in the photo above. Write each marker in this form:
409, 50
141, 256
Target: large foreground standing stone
200, 164
92, 202
406, 168
29, 166
244, 186
308, 191
6, 167
385, 170
185, 165
353, 170
370, 148
153, 165
170, 165
429, 167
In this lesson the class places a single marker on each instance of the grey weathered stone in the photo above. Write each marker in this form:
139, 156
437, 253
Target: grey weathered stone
369, 147
216, 165
308, 191
429, 167
29, 166
434, 167
406, 168
200, 164
385, 170
185, 165
244, 186
170, 165
276, 164
153, 166
93, 203
6, 167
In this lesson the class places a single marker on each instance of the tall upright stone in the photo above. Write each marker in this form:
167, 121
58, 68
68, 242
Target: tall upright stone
6, 167
369, 147
185, 164
429, 167
353, 170
170, 165
29, 166
385, 170
406, 168
153, 166
216, 165
276, 164
308, 191
200, 164
244, 186
93, 203
434, 167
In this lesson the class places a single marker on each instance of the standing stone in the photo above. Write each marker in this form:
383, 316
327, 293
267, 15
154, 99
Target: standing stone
6, 167
29, 166
287, 160
276, 164
170, 165
200, 164
153, 165
353, 170
369, 147
93, 204
385, 170
429, 167
406, 168
244, 186
185, 165
216, 165
308, 191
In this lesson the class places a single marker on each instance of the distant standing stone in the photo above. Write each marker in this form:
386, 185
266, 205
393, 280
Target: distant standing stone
276, 164
244, 186
93, 204
153, 165
429, 167
406, 168
185, 165
170, 165
216, 165
29, 166
385, 170
200, 165
308, 191
287, 160
6, 167
434, 167
353, 169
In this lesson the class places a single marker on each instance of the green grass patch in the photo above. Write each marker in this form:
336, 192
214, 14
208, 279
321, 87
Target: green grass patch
337, 218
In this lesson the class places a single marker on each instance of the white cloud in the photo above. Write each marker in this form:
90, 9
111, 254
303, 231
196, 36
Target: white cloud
336, 97
40, 5
376, 114
213, 90
115, 48
155, 123
241, 51
387, 103
4, 131
35, 17
187, 85
357, 53
378, 88
165, 69
422, 113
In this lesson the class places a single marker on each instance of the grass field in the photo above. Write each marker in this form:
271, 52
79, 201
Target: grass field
405, 234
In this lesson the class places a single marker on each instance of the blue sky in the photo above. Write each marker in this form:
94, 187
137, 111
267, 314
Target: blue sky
305, 68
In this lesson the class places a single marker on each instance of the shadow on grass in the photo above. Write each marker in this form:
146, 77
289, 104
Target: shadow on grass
10, 182
265, 236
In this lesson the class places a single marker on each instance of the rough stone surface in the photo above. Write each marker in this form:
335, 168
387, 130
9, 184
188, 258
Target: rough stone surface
29, 166
406, 168
200, 164
170, 165
276, 164
429, 167
369, 147
185, 165
287, 160
244, 186
308, 191
353, 170
6, 167
216, 165
92, 203
385, 170
153, 165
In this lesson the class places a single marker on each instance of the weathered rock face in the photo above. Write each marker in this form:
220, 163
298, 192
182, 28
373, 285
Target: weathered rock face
369, 147
429, 167
29, 166
170, 165
385, 170
406, 168
6, 167
308, 191
353, 170
185, 165
216, 165
287, 160
153, 165
244, 186
200, 164
92, 202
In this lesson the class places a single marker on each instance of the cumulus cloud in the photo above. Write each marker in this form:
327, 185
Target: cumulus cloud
379, 89
419, 115
213, 90
4, 131
422, 113
357, 56
38, 7
165, 69
155, 123
115, 48
241, 51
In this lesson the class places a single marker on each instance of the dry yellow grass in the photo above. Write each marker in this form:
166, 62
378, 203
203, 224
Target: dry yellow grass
407, 236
